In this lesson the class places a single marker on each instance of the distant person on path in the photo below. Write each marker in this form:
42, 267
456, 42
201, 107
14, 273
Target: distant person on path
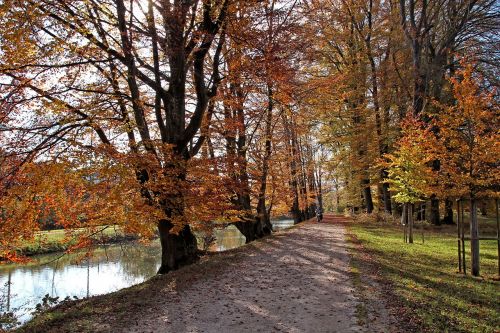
319, 214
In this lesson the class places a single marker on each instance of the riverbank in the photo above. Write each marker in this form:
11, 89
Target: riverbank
52, 241
421, 279
298, 280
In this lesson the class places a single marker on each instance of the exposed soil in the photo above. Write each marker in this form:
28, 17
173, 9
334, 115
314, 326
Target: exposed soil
298, 280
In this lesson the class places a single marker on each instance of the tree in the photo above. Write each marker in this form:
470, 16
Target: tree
136, 74
435, 31
409, 174
468, 145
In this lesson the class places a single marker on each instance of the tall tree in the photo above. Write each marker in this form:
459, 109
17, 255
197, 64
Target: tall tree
127, 69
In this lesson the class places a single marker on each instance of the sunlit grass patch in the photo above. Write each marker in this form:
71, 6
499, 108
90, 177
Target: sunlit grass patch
424, 278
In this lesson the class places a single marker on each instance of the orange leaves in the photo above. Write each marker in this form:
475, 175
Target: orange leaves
469, 137
465, 139
71, 195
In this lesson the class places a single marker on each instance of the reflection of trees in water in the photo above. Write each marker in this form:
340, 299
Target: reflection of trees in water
5, 294
140, 261
125, 263
228, 238
142, 256
280, 224
8, 319
135, 261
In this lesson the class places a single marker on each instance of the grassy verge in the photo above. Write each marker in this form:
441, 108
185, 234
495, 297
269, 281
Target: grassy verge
423, 279
56, 240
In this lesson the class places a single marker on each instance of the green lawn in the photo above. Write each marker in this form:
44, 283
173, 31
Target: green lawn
424, 278
55, 240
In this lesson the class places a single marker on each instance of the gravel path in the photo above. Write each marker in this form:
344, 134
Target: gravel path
296, 281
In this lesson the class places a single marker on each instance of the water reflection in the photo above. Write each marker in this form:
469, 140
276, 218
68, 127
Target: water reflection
109, 269
231, 238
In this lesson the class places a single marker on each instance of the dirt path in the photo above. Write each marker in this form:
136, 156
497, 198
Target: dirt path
296, 281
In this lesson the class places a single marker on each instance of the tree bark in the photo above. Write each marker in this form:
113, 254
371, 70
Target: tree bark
410, 222
367, 196
474, 234
421, 212
264, 226
291, 140
448, 212
434, 216
176, 250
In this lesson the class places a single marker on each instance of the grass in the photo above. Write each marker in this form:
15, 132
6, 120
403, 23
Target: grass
423, 278
56, 241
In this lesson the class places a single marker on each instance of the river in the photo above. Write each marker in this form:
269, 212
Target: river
110, 268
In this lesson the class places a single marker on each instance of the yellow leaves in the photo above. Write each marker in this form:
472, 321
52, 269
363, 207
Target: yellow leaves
409, 172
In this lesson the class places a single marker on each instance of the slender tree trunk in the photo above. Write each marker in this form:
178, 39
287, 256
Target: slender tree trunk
386, 193
302, 182
474, 234
320, 189
311, 181
404, 214
292, 147
382, 146
337, 195
264, 226
421, 212
410, 223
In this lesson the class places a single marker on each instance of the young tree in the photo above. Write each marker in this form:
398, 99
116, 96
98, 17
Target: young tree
468, 146
409, 174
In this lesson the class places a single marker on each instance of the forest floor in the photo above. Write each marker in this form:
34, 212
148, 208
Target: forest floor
298, 280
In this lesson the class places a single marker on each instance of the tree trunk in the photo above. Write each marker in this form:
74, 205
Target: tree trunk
337, 196
474, 234
176, 250
434, 216
367, 196
247, 228
386, 194
291, 141
484, 207
448, 212
264, 226
320, 189
410, 222
421, 212
404, 214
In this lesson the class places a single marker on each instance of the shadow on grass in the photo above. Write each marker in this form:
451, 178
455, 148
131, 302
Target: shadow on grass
425, 282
